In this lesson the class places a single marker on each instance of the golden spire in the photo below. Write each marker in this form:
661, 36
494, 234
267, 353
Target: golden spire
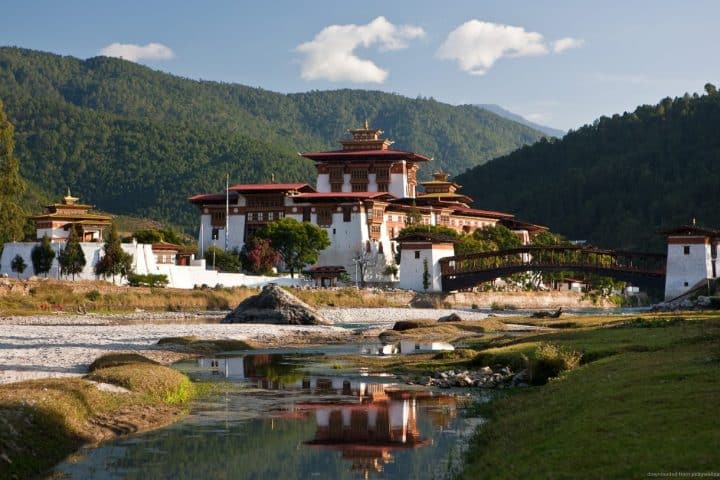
69, 199
366, 125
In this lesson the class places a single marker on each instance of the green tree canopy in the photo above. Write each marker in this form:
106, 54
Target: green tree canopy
115, 261
298, 243
18, 265
42, 256
12, 216
219, 259
72, 258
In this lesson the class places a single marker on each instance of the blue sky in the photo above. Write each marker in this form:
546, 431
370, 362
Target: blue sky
561, 63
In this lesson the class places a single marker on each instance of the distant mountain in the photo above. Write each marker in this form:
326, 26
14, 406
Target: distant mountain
497, 109
619, 181
137, 141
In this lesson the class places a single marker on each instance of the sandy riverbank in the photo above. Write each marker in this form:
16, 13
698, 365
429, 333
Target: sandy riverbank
64, 345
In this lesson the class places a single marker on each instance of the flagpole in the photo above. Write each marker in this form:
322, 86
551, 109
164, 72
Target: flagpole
227, 210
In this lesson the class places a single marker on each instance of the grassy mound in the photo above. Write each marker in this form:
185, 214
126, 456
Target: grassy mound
200, 345
43, 421
117, 359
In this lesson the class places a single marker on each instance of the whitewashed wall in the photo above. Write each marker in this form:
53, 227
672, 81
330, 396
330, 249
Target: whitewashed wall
685, 271
412, 269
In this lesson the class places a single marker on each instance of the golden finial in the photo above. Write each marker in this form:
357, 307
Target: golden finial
366, 125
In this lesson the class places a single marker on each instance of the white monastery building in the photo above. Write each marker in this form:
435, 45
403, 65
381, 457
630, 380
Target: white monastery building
363, 196
691, 259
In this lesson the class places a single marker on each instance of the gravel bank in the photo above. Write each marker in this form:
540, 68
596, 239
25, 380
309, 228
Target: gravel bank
64, 345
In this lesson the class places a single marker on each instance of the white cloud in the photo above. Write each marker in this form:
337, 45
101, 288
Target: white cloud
567, 43
133, 53
477, 45
331, 54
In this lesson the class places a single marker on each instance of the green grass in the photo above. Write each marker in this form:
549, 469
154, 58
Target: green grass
201, 345
43, 421
646, 402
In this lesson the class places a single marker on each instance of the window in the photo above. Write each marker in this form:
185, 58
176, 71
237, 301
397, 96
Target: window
336, 187
324, 216
306, 214
382, 186
686, 251
359, 187
686, 284
218, 218
417, 253
336, 175
347, 213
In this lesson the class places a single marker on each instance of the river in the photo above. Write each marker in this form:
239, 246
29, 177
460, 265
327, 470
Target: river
286, 415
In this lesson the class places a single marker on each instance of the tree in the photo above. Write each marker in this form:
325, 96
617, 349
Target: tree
12, 217
18, 265
223, 261
425, 275
414, 217
151, 235
297, 243
115, 261
42, 256
433, 229
499, 235
259, 256
72, 257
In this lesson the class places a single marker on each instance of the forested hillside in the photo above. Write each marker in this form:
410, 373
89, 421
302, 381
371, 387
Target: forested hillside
133, 140
618, 181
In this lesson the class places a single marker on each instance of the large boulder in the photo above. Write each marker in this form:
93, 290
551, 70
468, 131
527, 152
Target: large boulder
276, 306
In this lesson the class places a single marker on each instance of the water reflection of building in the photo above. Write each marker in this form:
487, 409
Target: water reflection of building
366, 419
367, 432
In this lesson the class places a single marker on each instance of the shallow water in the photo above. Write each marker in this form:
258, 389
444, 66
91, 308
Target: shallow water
287, 416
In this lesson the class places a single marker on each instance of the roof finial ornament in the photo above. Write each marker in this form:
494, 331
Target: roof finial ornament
693, 221
366, 125
272, 178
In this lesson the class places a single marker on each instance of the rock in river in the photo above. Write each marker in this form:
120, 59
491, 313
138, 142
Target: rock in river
276, 306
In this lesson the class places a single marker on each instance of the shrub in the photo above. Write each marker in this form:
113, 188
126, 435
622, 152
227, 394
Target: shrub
457, 354
550, 360
149, 280
93, 295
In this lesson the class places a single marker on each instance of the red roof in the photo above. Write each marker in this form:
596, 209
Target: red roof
388, 153
269, 187
340, 195
484, 213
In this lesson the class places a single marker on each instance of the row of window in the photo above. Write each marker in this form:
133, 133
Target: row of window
265, 201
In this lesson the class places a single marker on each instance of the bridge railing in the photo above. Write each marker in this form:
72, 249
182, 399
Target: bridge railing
555, 256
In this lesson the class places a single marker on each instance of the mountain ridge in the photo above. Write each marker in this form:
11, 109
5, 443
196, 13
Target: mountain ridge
134, 140
619, 181
497, 109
